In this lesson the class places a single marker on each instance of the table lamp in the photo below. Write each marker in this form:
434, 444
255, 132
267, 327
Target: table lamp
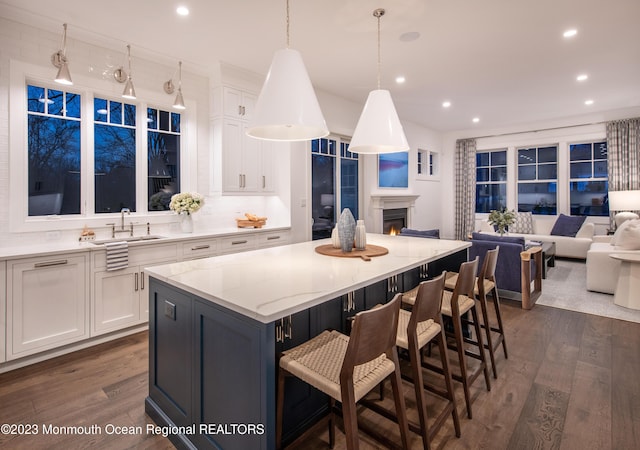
624, 202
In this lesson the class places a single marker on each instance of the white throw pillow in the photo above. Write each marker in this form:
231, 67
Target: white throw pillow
523, 223
619, 231
629, 238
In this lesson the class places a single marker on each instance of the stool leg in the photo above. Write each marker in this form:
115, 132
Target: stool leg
332, 423
448, 382
398, 396
483, 358
487, 328
349, 416
500, 329
418, 384
457, 332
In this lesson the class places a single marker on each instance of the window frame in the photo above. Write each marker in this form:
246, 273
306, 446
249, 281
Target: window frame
592, 161
22, 74
537, 179
431, 162
489, 167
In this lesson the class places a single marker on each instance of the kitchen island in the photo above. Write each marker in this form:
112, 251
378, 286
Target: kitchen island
216, 326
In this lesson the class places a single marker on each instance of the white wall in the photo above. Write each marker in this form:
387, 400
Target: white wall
561, 132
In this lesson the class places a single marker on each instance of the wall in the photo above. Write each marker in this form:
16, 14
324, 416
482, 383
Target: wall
561, 132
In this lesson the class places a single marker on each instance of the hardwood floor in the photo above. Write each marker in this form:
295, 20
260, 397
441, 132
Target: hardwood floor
571, 382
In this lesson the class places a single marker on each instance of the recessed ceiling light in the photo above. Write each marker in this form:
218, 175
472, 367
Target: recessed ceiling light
182, 11
400, 79
409, 36
582, 77
476, 119
446, 104
588, 102
570, 33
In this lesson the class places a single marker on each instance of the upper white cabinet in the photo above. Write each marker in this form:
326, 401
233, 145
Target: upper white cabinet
47, 303
3, 310
246, 163
237, 104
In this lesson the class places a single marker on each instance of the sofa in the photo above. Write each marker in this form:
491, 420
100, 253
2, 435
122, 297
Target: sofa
542, 227
602, 270
511, 266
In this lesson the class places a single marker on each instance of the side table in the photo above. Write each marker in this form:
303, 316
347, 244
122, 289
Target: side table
628, 286
548, 257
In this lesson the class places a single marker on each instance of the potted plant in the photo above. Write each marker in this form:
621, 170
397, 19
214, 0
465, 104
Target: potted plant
501, 219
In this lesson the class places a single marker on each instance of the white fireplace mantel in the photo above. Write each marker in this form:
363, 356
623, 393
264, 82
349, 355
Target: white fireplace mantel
389, 201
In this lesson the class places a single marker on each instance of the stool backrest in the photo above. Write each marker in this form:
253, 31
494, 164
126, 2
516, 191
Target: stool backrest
488, 270
466, 283
374, 333
428, 301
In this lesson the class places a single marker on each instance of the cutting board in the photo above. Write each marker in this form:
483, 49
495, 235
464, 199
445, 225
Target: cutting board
369, 252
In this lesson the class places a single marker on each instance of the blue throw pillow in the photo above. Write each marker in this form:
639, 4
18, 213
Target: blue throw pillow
432, 234
492, 237
567, 225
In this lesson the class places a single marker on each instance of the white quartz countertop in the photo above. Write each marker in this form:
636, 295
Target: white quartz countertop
272, 283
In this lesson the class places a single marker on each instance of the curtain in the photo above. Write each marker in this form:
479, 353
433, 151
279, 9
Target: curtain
465, 180
623, 147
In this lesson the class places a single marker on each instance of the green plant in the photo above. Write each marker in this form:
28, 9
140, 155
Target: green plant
501, 219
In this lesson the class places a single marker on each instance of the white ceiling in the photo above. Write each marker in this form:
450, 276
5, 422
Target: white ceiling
504, 61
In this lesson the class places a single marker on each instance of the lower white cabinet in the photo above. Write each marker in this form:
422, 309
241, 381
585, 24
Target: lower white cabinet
3, 311
120, 297
47, 303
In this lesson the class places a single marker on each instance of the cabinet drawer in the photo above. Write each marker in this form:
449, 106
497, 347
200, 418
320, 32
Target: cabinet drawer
137, 256
198, 249
235, 244
273, 239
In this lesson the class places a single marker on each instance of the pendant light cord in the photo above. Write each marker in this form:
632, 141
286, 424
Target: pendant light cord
378, 13
64, 40
287, 23
129, 59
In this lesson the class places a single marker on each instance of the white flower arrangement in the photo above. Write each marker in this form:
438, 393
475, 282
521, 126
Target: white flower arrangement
186, 202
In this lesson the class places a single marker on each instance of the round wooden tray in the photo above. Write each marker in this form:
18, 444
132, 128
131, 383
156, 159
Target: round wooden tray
366, 254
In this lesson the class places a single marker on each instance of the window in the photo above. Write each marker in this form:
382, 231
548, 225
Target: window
491, 180
54, 151
329, 177
427, 164
588, 184
114, 148
163, 154
537, 179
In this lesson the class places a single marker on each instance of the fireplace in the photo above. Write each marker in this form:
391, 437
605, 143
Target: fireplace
390, 204
393, 220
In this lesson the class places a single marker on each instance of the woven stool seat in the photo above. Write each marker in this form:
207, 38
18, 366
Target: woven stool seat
452, 279
318, 363
427, 330
464, 303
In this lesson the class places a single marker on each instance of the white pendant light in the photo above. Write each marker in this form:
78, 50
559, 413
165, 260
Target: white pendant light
379, 129
287, 108
59, 60
169, 88
129, 91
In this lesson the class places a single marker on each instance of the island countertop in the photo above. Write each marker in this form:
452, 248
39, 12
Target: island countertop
272, 283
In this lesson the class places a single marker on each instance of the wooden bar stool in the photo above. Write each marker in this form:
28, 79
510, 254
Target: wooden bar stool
347, 368
416, 329
486, 284
454, 305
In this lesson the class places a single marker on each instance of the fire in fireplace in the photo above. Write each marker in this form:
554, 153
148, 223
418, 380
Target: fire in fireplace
393, 220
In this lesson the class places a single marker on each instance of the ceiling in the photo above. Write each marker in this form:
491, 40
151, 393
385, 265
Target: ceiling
503, 61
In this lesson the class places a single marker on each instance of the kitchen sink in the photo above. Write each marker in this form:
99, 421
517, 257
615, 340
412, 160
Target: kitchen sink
127, 239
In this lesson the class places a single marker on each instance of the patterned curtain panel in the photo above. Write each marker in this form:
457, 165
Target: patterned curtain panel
623, 146
465, 178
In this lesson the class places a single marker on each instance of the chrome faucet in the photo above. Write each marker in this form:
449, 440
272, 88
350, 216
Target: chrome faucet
121, 230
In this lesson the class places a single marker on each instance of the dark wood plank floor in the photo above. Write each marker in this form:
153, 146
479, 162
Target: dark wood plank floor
571, 382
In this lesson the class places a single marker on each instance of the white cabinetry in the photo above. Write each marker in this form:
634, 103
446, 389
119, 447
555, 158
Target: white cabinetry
274, 238
247, 164
47, 303
200, 248
3, 311
120, 297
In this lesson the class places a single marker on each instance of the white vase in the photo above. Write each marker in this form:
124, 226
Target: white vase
361, 235
335, 237
186, 223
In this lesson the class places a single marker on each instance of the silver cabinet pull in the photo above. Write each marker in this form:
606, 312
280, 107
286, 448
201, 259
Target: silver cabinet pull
136, 281
200, 247
264, 182
142, 281
239, 110
58, 262
271, 238
238, 242
239, 180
